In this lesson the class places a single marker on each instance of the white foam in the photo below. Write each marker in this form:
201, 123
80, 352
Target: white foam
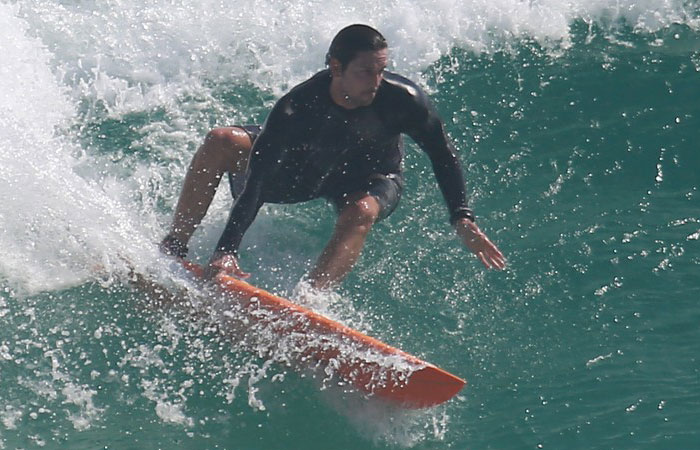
140, 55
81, 396
10, 416
172, 413
386, 423
56, 227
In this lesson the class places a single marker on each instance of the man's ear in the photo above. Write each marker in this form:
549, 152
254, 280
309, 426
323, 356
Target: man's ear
336, 67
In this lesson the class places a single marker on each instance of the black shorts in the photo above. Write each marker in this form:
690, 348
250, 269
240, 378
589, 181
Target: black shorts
385, 188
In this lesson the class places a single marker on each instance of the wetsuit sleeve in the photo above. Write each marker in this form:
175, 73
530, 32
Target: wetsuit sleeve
428, 131
265, 158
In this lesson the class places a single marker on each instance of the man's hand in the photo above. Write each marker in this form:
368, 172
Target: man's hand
479, 244
225, 264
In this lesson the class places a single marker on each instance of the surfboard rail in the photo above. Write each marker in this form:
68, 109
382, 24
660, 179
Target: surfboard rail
425, 385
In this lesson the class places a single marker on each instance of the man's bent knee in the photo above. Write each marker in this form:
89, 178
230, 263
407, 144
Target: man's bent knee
233, 138
363, 212
227, 148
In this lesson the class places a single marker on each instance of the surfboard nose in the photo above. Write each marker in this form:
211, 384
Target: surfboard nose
426, 387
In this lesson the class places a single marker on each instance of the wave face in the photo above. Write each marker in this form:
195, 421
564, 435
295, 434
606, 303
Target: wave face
576, 123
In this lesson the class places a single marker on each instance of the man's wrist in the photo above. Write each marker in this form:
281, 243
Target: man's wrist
462, 213
462, 221
464, 224
466, 229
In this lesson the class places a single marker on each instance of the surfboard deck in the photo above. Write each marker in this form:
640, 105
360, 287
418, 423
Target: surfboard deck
368, 364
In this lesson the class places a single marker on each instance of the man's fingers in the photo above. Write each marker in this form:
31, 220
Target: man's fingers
498, 261
497, 258
482, 257
228, 265
241, 274
235, 271
489, 255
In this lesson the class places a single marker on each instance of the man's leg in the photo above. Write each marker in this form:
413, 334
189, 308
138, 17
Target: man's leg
224, 150
343, 250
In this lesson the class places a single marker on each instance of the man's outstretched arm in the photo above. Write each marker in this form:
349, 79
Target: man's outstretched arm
430, 135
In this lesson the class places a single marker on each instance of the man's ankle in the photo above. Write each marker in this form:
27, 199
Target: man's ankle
172, 246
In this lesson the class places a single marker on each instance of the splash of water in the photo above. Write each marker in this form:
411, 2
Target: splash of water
71, 204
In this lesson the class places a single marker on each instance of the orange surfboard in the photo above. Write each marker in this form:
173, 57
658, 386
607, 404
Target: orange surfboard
368, 364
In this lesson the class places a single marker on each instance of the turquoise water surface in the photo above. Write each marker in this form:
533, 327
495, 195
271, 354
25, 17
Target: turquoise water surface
577, 125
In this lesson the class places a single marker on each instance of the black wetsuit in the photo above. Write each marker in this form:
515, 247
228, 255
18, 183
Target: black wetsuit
310, 147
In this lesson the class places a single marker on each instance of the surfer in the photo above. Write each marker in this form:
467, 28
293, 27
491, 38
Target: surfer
337, 136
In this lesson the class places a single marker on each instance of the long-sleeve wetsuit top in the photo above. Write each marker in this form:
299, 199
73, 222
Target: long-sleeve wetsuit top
310, 147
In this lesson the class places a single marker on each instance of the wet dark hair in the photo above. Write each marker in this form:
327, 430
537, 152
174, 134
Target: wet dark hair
352, 40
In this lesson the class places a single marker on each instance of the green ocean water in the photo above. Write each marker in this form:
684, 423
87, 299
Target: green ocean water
582, 164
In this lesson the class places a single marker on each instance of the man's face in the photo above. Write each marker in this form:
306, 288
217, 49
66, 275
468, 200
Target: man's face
361, 78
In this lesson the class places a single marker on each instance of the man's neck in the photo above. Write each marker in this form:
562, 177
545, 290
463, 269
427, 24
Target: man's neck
339, 97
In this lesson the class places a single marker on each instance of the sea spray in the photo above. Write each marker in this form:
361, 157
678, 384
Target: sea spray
43, 196
561, 170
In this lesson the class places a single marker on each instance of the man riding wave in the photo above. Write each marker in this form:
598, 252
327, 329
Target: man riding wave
338, 135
